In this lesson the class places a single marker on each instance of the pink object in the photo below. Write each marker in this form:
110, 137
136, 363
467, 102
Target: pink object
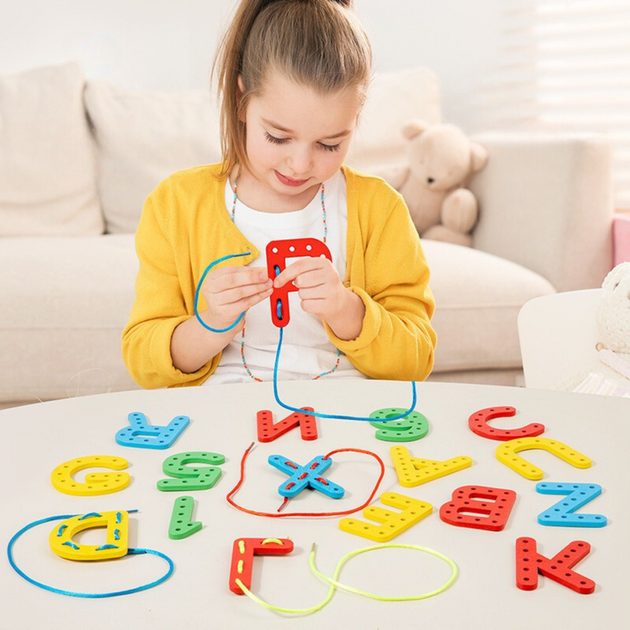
621, 238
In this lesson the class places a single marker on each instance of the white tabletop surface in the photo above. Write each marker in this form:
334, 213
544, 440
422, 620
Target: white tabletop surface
37, 438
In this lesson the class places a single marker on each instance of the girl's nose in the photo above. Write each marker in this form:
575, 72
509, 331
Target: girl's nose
300, 161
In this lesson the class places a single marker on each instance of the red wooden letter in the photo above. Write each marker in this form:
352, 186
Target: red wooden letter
491, 513
243, 553
277, 254
268, 431
529, 563
478, 424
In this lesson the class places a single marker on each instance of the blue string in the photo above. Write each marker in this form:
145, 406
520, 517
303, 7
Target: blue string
52, 589
330, 415
275, 367
203, 277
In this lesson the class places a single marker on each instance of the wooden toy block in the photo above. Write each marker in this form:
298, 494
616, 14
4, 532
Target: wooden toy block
529, 563
478, 423
277, 254
413, 471
391, 523
95, 483
507, 453
189, 478
243, 553
117, 524
414, 427
268, 431
562, 514
143, 435
182, 525
309, 476
490, 513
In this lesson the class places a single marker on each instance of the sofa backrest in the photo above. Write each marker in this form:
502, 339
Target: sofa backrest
142, 137
81, 167
47, 159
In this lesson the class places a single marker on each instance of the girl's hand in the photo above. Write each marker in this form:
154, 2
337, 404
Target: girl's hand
323, 294
231, 290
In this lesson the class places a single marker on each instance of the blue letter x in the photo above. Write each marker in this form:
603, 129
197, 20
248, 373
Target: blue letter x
305, 477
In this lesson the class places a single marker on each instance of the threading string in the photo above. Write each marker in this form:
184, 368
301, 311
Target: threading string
52, 589
235, 489
414, 397
277, 360
197, 291
233, 217
335, 584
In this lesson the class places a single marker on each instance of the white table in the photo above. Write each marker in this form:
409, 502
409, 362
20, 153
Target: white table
37, 438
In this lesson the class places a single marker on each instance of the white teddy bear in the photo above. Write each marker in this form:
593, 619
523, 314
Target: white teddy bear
612, 374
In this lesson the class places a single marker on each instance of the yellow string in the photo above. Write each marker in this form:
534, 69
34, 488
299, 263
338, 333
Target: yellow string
334, 584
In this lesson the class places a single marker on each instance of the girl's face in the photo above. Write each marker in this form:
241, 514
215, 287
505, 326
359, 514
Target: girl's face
297, 138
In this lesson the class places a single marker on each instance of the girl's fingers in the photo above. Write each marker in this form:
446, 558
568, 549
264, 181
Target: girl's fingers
315, 278
241, 293
252, 300
320, 292
298, 268
234, 277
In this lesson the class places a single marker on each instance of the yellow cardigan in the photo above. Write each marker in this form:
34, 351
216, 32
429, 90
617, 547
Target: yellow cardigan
185, 226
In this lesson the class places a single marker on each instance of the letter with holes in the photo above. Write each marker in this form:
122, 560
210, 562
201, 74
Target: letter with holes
479, 507
529, 563
563, 513
243, 553
277, 254
115, 546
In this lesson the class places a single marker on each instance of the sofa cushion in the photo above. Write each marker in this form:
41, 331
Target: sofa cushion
478, 297
67, 300
142, 137
47, 165
393, 99
64, 306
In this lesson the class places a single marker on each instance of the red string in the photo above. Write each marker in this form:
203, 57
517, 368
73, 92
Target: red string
235, 489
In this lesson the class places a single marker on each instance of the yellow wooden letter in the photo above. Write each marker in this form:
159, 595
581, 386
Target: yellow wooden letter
412, 471
506, 453
95, 483
115, 546
391, 523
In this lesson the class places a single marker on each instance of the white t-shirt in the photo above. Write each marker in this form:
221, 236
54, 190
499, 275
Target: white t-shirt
306, 350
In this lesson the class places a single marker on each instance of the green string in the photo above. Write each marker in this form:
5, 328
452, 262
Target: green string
334, 584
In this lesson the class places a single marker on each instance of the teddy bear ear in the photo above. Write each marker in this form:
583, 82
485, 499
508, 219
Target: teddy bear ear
478, 156
414, 128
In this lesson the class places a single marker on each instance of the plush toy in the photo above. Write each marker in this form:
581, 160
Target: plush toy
441, 159
611, 374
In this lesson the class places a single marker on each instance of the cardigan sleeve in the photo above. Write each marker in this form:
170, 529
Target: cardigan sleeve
397, 340
159, 306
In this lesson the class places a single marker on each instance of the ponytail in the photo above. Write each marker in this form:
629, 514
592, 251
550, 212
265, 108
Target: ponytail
317, 43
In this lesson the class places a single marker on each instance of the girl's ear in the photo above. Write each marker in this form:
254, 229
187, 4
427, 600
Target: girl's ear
240, 89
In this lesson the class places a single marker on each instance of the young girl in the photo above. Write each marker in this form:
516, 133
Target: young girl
293, 76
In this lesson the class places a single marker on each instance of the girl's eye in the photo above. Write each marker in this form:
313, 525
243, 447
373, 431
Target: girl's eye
325, 147
274, 139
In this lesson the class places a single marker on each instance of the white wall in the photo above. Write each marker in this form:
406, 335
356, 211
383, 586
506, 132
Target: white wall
169, 44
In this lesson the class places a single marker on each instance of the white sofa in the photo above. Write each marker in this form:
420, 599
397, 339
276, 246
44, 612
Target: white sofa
77, 159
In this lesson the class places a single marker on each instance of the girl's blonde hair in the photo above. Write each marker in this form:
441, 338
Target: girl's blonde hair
316, 43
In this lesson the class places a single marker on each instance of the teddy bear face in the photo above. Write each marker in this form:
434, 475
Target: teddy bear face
613, 313
440, 158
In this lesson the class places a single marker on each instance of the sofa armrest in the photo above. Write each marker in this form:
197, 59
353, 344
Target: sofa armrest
546, 203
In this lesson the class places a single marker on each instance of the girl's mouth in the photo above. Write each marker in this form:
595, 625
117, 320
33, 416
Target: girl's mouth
287, 181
